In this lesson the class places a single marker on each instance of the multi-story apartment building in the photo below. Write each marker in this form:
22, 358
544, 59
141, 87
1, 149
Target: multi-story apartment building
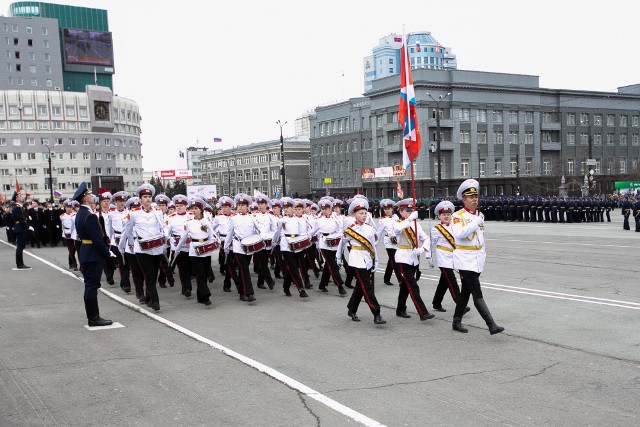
502, 128
258, 166
50, 104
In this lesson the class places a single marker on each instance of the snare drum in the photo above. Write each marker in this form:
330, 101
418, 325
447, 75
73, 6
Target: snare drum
314, 238
300, 243
268, 239
333, 240
252, 244
151, 243
207, 248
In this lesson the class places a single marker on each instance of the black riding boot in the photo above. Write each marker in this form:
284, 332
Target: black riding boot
482, 308
93, 313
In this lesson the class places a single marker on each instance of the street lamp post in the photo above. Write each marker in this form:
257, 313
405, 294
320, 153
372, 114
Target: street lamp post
50, 170
438, 137
284, 183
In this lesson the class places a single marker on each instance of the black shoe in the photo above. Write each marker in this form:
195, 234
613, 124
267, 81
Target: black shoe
389, 284
342, 290
262, 286
207, 302
427, 316
323, 288
403, 315
308, 285
243, 298
457, 326
495, 329
271, 284
210, 278
172, 282
467, 309
226, 289
155, 306
251, 298
187, 293
142, 300
439, 308
303, 294
418, 274
127, 289
287, 292
24, 267
111, 282
353, 316
378, 320
349, 285
75, 268
277, 276
162, 285
317, 274
99, 321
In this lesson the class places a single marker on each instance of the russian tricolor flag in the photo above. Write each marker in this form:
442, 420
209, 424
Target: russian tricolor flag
217, 139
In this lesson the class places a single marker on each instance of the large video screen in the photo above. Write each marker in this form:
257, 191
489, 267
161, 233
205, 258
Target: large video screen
88, 47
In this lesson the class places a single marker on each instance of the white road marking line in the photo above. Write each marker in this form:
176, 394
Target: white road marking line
114, 325
537, 242
278, 376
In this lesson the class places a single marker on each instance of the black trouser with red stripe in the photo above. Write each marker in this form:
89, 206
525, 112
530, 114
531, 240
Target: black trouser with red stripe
244, 276
122, 268
136, 274
200, 267
363, 288
447, 281
261, 263
71, 249
291, 263
150, 264
229, 264
330, 269
184, 270
406, 275
391, 256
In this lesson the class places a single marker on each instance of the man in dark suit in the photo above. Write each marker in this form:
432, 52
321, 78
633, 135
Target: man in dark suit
93, 253
20, 229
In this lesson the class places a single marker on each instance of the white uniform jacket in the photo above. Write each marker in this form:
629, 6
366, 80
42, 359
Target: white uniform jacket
363, 252
240, 227
266, 223
385, 228
68, 222
407, 252
327, 225
143, 225
115, 225
175, 229
468, 230
442, 245
196, 232
290, 227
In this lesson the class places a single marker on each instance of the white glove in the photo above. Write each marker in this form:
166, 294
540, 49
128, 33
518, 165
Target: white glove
227, 250
31, 228
339, 261
375, 266
112, 255
413, 215
419, 251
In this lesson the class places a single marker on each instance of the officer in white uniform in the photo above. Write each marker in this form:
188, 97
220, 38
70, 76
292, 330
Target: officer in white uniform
267, 227
222, 225
467, 227
328, 226
412, 242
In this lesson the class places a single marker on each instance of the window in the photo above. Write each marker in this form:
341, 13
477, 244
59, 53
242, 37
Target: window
265, 175
31, 156
497, 116
482, 137
584, 138
528, 137
571, 138
497, 166
597, 119
56, 110
546, 167
611, 120
635, 121
570, 166
584, 118
513, 138
98, 171
70, 111
513, 165
623, 121
610, 139
17, 156
32, 69
634, 139
464, 138
483, 168
482, 116
45, 44
513, 116
464, 167
29, 30
3, 142
97, 156
571, 119
47, 56
16, 141
498, 138
45, 31
623, 165
528, 116
108, 156
464, 114
597, 139
82, 111
623, 139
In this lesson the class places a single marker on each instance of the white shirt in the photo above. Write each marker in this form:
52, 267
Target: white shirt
175, 228
199, 231
114, 225
385, 227
441, 247
361, 257
143, 225
241, 226
406, 252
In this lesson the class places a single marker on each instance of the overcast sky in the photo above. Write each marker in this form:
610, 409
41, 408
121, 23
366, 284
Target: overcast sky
205, 69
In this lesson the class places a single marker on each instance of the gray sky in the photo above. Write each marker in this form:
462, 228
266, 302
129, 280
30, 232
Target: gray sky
206, 69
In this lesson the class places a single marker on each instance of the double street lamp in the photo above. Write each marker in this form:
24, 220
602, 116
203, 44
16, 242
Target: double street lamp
284, 188
438, 137
46, 144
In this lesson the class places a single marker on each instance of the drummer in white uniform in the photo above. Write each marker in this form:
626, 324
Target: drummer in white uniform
385, 228
243, 226
329, 236
69, 235
267, 227
201, 241
173, 232
114, 227
222, 225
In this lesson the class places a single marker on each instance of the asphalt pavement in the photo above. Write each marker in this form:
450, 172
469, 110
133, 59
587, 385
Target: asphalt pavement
567, 296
